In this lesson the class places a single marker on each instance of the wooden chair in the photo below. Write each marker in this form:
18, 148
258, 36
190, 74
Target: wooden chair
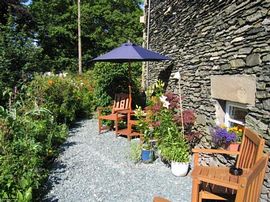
249, 184
249, 158
121, 107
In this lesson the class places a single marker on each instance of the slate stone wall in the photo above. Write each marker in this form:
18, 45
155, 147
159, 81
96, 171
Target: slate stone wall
212, 37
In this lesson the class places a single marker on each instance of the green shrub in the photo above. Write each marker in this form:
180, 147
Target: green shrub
66, 97
25, 141
33, 128
135, 151
112, 78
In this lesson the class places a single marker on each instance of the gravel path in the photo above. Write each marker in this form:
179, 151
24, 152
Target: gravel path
96, 167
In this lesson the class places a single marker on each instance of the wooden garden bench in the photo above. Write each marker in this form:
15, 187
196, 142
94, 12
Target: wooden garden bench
247, 186
121, 107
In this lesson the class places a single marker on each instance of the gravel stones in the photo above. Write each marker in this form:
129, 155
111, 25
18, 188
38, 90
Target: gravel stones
95, 167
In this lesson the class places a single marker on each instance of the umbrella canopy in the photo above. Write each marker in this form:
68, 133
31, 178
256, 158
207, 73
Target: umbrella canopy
129, 52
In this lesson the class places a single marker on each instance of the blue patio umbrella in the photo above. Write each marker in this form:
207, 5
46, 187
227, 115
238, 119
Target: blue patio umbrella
129, 52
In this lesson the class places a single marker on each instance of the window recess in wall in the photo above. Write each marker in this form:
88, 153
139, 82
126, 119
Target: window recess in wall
235, 114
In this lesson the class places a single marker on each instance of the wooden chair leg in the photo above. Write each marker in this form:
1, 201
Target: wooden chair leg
200, 197
116, 127
160, 199
99, 125
195, 190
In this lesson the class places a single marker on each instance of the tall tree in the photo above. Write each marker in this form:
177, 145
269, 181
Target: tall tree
104, 23
18, 10
18, 53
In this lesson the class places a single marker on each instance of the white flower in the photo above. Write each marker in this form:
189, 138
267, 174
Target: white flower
166, 103
47, 74
163, 98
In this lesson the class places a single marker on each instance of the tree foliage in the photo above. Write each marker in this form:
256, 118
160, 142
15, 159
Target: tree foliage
43, 36
15, 8
104, 23
18, 53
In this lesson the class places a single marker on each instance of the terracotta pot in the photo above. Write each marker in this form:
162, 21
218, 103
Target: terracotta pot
233, 146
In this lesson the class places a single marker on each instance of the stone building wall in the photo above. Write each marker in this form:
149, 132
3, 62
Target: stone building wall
209, 38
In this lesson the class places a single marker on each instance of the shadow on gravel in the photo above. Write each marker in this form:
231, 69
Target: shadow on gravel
76, 125
66, 145
58, 166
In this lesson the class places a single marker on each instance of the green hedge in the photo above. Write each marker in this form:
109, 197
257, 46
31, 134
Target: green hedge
67, 97
111, 78
34, 127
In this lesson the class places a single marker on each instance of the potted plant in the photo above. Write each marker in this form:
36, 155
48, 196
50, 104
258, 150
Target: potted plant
175, 149
238, 130
163, 117
225, 138
147, 152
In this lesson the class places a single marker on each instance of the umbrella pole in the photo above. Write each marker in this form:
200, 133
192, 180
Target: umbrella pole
129, 85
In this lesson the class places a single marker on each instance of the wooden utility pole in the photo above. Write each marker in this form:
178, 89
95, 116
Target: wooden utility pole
79, 38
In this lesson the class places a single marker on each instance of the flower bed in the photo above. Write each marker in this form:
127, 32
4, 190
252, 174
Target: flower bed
32, 129
162, 121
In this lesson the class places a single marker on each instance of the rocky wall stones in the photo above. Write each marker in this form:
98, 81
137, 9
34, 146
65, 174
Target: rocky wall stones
212, 37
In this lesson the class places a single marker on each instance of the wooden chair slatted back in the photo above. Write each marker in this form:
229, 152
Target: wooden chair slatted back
251, 149
250, 186
122, 101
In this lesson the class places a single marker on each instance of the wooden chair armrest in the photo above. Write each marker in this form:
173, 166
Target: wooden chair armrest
215, 151
100, 109
123, 111
210, 151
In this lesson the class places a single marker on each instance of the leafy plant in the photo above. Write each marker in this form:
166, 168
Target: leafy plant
174, 147
25, 138
144, 128
135, 151
31, 132
161, 120
66, 97
112, 78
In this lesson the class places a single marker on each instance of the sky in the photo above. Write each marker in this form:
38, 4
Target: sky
28, 2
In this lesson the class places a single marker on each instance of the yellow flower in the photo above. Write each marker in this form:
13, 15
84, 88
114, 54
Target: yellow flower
223, 126
50, 82
50, 152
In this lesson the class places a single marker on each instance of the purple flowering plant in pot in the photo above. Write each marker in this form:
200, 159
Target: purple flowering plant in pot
221, 137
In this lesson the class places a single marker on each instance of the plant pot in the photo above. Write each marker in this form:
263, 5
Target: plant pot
179, 169
147, 155
233, 147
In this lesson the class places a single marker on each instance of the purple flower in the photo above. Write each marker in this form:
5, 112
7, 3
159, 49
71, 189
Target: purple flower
222, 137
